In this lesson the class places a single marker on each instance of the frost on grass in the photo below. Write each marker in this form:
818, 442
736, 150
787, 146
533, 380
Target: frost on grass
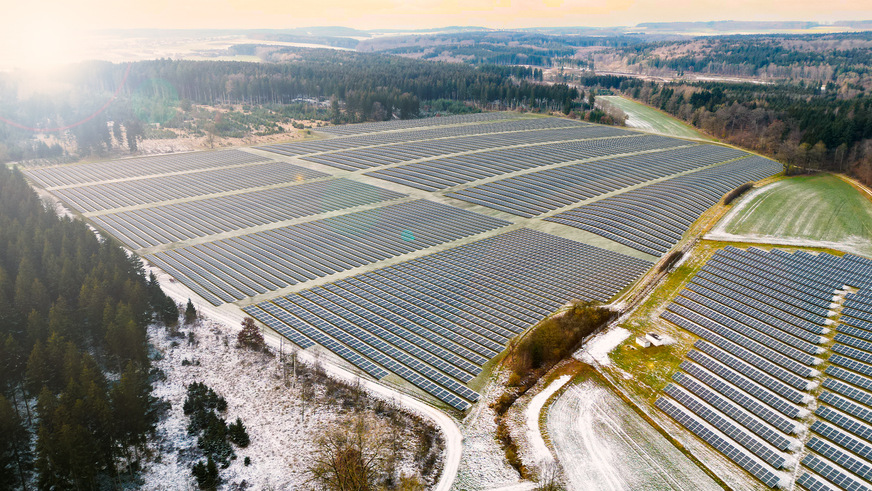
285, 416
484, 465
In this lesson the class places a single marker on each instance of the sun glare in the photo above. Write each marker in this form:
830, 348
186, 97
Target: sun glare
40, 45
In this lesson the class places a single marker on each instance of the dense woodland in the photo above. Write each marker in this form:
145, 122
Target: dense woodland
844, 57
75, 403
363, 87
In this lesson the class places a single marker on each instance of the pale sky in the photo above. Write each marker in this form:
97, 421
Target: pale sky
34, 32
101, 14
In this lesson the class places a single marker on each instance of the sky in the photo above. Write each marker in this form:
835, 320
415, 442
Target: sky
50, 31
369, 14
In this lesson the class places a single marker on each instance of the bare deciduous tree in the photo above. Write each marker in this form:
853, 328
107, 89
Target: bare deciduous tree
351, 457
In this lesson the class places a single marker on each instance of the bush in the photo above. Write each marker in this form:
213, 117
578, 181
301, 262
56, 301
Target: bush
201, 398
671, 260
732, 195
556, 337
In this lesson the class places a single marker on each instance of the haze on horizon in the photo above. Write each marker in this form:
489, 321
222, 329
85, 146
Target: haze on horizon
51, 32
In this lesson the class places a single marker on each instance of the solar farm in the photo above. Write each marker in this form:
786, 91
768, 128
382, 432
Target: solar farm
420, 248
778, 380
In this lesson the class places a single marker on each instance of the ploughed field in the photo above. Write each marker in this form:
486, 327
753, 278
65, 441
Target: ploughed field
413, 248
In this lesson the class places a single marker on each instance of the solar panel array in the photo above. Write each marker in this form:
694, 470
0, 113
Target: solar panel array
240, 267
234, 225
423, 134
165, 224
119, 194
442, 173
405, 124
535, 193
435, 320
66, 175
761, 319
367, 157
653, 218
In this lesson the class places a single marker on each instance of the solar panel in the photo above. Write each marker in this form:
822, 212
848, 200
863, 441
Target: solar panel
744, 460
832, 474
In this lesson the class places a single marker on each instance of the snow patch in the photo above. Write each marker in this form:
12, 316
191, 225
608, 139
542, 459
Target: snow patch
597, 349
534, 436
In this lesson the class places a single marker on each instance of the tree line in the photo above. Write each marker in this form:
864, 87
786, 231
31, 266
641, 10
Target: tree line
805, 126
366, 86
75, 393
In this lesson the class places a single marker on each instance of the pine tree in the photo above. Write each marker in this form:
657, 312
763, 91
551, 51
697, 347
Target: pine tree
206, 474
190, 313
169, 312
14, 453
237, 434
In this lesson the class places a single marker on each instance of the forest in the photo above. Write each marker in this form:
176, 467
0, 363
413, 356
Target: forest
75, 382
818, 57
364, 87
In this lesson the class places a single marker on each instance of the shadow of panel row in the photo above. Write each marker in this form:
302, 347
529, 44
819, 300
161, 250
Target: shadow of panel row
760, 317
240, 267
77, 174
652, 219
365, 158
539, 192
419, 135
435, 320
432, 175
119, 194
165, 224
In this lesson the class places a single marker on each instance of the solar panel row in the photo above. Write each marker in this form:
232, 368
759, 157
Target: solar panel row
652, 219
165, 224
255, 263
535, 193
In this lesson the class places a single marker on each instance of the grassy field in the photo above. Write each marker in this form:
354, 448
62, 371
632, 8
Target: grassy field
650, 119
822, 207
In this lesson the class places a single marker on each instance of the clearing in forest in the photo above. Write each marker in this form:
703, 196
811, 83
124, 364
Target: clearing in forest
647, 118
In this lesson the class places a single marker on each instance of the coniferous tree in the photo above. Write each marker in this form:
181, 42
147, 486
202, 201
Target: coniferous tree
14, 448
190, 313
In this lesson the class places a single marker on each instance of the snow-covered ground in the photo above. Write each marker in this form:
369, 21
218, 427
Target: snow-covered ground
597, 349
540, 450
484, 466
283, 420
603, 444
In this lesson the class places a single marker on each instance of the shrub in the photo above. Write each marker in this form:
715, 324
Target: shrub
732, 195
671, 260
556, 337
